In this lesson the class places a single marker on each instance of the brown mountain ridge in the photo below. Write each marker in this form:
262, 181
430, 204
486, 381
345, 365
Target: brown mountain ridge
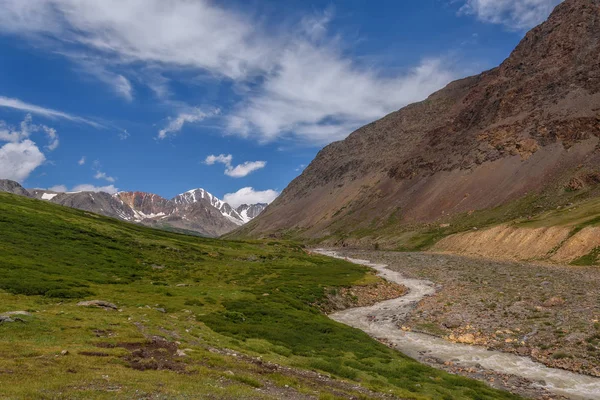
528, 129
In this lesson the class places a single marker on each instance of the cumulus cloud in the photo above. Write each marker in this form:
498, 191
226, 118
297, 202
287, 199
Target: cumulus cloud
239, 171
18, 160
299, 82
514, 14
21, 156
221, 158
81, 161
46, 112
248, 195
175, 125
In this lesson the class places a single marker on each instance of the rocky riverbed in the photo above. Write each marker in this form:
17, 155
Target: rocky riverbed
453, 302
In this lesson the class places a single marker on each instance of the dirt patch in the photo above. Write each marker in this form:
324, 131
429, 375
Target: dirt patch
503, 242
361, 296
156, 354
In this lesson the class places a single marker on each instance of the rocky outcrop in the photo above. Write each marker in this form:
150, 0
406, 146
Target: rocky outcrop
527, 127
13, 187
557, 244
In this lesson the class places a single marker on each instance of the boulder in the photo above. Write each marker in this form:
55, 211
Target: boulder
98, 303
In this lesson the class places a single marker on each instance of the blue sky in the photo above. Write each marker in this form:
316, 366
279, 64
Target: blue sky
139, 94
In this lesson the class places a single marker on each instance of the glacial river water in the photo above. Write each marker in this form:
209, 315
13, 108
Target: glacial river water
381, 319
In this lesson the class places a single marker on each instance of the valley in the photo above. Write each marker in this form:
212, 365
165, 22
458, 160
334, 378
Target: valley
96, 308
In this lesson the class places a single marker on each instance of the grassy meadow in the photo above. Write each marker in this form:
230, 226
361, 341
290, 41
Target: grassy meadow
195, 318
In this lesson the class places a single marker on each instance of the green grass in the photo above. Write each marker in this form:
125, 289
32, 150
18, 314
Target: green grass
254, 298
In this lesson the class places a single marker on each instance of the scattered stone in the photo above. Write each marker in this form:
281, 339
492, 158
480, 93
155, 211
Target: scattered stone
162, 310
453, 321
64, 353
11, 313
467, 338
554, 302
180, 353
98, 303
5, 319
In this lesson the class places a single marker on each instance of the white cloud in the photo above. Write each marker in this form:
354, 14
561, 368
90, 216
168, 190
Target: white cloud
239, 171
81, 161
221, 158
195, 115
298, 83
102, 175
318, 96
46, 112
21, 156
514, 14
86, 187
244, 169
124, 135
18, 160
58, 188
248, 195
26, 128
111, 189
52, 138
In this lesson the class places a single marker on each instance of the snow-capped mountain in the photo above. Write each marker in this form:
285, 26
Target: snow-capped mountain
195, 210
200, 195
249, 212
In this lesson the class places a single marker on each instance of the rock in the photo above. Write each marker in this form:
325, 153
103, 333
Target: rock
467, 338
64, 353
11, 313
162, 310
576, 337
554, 302
182, 285
453, 321
98, 303
180, 353
5, 319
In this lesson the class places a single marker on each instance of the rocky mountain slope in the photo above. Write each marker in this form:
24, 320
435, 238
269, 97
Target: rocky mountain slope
528, 129
196, 210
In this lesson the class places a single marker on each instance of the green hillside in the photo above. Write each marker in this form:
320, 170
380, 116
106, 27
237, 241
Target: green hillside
196, 318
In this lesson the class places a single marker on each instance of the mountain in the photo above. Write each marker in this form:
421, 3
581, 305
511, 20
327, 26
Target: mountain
13, 187
523, 136
195, 211
249, 212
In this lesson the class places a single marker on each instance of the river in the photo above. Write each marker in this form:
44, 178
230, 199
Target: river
381, 321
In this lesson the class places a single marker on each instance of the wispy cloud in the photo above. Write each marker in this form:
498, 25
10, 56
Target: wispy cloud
186, 117
102, 175
81, 161
249, 196
513, 14
46, 112
85, 187
299, 81
239, 171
